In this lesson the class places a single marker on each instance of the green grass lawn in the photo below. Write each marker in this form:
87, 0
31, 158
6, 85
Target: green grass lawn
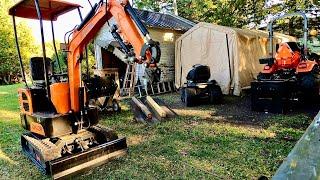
197, 144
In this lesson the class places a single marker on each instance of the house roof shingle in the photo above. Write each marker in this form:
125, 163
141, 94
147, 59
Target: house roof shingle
165, 21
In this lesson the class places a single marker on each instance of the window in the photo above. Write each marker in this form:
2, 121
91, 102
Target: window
168, 37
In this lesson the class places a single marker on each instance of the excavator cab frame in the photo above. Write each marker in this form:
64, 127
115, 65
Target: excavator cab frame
48, 10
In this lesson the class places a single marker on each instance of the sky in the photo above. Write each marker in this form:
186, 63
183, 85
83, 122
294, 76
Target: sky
64, 23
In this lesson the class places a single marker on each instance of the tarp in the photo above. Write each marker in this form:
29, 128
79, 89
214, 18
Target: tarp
232, 54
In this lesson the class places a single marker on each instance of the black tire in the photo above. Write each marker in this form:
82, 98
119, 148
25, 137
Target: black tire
189, 96
116, 106
182, 94
308, 82
215, 93
309, 88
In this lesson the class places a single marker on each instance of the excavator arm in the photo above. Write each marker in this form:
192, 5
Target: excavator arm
129, 31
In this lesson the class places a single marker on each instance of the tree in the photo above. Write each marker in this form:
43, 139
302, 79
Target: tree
9, 64
291, 26
232, 13
315, 2
147, 4
223, 12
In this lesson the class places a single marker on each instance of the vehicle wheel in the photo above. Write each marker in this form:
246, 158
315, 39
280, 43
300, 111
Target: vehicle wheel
100, 103
189, 94
308, 81
309, 88
116, 106
215, 94
182, 94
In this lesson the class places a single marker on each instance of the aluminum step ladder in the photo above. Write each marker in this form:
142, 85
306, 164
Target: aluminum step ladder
155, 88
129, 81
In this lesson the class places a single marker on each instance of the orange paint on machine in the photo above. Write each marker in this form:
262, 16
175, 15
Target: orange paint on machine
60, 97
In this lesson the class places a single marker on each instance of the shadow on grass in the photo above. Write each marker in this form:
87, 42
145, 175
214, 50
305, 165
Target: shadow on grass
203, 142
182, 148
195, 146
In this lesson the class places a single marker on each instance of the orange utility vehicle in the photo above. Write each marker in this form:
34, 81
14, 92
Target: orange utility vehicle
289, 75
63, 135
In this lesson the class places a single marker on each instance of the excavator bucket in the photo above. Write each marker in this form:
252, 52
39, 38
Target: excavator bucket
47, 156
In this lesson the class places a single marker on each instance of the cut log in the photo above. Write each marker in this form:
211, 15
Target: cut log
155, 107
142, 107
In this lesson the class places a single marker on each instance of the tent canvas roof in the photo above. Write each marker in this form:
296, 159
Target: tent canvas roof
230, 30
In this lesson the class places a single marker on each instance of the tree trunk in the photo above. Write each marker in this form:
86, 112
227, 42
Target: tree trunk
290, 27
175, 7
9, 79
5, 80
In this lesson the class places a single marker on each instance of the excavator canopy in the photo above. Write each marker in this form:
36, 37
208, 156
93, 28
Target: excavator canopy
50, 9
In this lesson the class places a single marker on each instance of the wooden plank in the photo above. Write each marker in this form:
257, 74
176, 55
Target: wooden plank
169, 112
303, 161
155, 107
142, 107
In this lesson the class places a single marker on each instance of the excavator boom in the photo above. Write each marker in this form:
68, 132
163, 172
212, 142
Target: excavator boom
128, 31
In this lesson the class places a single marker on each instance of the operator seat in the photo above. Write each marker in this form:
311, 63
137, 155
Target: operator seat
40, 101
37, 70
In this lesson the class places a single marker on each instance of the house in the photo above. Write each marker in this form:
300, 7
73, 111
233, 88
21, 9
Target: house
164, 28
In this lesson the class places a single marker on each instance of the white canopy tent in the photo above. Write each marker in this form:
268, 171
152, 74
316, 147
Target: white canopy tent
232, 54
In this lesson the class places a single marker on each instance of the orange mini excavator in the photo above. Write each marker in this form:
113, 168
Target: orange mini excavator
290, 74
63, 135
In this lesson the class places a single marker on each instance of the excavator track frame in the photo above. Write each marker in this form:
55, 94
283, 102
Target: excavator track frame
70, 165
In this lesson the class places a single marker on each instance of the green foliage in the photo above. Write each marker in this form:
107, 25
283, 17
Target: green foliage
232, 13
62, 57
316, 2
61, 63
147, 4
299, 121
288, 127
9, 63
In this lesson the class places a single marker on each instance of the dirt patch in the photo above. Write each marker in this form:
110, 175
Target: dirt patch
233, 109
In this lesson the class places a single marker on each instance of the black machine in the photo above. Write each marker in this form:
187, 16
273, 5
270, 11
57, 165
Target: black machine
199, 89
